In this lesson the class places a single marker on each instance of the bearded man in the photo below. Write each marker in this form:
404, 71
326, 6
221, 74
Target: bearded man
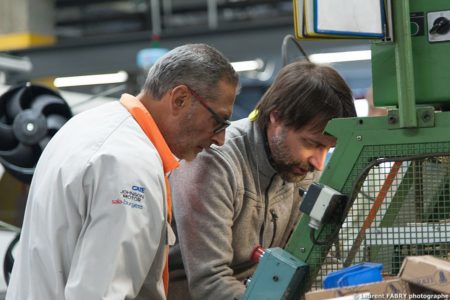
245, 193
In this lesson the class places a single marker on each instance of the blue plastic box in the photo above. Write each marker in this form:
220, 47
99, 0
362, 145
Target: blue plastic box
361, 273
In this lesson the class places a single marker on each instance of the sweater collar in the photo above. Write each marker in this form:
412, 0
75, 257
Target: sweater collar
261, 159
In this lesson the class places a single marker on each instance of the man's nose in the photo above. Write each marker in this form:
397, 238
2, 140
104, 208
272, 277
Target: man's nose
219, 138
317, 158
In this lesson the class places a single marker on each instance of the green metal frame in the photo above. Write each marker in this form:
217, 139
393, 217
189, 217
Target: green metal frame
355, 137
424, 65
407, 131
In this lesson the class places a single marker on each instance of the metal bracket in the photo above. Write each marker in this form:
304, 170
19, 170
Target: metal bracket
424, 115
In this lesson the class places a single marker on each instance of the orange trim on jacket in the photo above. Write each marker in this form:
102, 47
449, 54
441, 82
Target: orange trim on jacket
145, 120
151, 130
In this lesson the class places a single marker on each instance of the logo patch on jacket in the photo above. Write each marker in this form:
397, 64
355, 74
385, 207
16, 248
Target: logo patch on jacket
131, 197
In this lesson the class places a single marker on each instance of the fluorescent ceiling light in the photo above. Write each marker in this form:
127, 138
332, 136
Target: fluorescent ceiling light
247, 65
13, 63
340, 56
118, 77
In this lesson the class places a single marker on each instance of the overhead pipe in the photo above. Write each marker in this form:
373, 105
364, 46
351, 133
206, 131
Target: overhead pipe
156, 18
213, 19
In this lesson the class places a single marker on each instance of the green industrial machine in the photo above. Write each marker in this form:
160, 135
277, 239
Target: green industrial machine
394, 169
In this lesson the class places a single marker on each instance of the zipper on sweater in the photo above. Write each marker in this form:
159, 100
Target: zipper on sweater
274, 221
266, 210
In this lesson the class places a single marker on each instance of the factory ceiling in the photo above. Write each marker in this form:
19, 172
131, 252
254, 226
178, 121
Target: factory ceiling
100, 36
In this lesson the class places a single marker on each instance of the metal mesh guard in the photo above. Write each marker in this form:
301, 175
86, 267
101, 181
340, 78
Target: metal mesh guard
401, 208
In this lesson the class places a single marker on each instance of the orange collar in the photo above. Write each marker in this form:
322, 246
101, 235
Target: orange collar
148, 125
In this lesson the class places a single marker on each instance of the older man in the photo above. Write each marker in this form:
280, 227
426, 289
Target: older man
97, 222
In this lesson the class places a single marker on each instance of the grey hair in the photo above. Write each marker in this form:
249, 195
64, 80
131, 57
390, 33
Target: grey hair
199, 66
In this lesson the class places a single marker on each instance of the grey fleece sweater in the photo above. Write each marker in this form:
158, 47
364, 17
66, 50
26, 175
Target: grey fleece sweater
227, 201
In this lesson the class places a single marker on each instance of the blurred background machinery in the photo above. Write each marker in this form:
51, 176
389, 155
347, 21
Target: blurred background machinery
66, 38
29, 117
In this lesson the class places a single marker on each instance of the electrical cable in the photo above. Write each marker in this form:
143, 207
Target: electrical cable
102, 94
313, 238
284, 48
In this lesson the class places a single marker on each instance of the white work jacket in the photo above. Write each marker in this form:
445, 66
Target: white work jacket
95, 224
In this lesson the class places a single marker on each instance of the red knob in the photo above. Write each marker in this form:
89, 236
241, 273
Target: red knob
257, 252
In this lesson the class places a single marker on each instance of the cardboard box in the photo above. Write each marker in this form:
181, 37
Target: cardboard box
428, 272
387, 289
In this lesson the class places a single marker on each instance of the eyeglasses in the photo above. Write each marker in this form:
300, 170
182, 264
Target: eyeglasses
223, 124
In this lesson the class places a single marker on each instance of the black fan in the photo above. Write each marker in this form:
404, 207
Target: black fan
29, 116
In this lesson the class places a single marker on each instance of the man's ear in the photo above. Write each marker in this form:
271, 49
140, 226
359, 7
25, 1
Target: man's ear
179, 102
274, 117
180, 97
